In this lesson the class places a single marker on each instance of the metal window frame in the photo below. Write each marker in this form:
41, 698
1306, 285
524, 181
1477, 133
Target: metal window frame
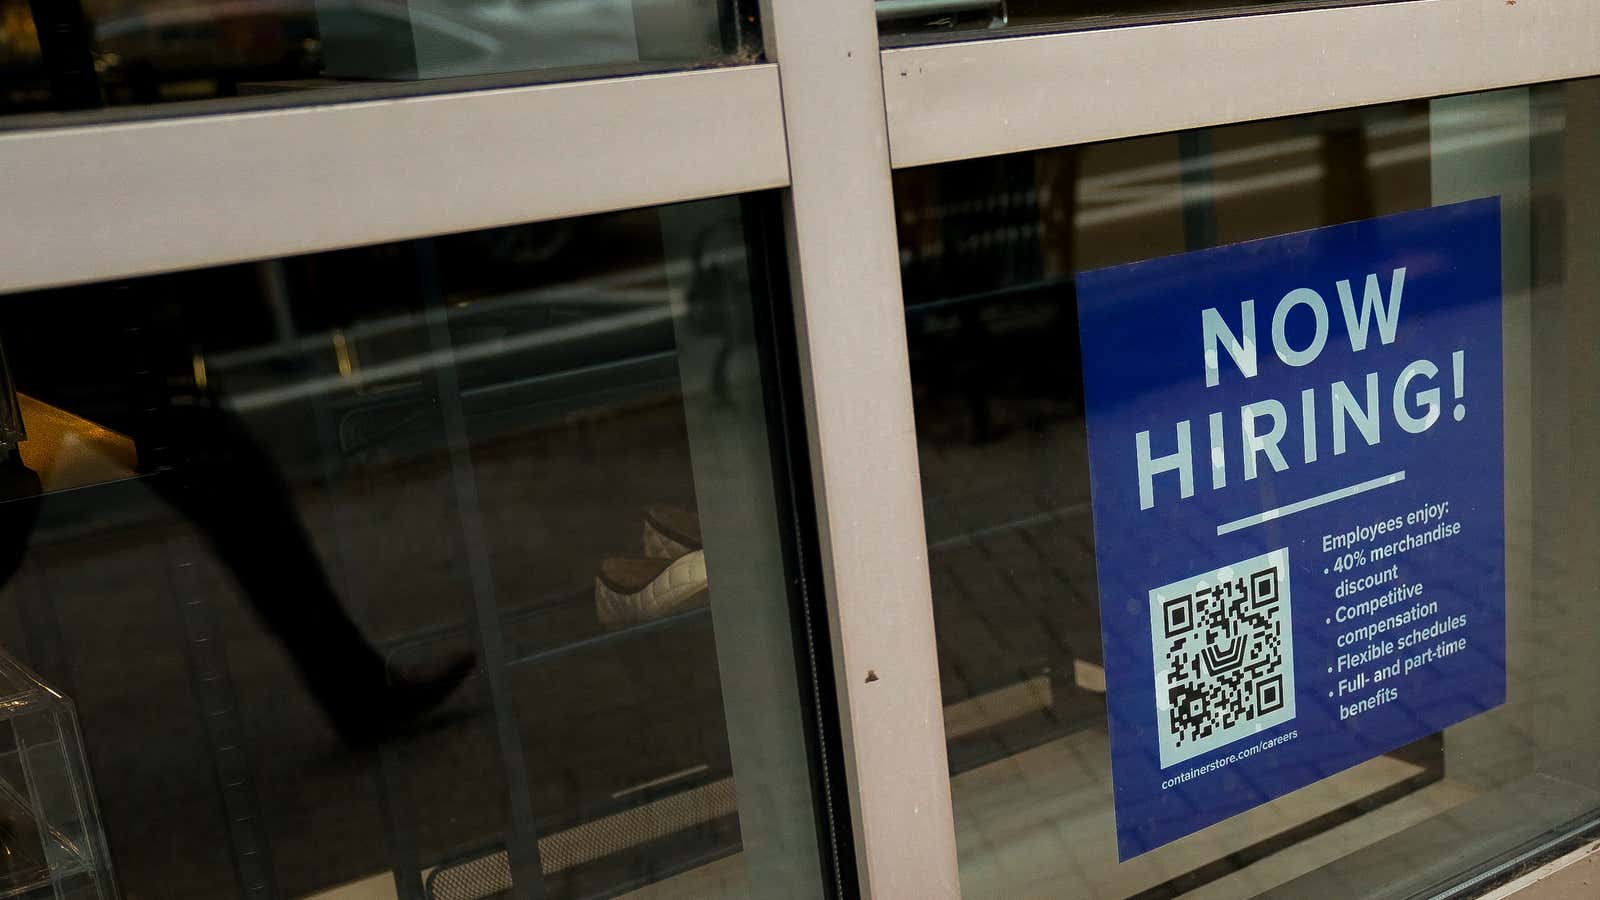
828, 119
82, 204
856, 383
981, 98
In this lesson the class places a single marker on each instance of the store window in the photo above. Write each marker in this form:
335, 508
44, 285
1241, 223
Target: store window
1146, 691
89, 54
461, 567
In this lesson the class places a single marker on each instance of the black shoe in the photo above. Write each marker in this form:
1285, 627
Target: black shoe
411, 693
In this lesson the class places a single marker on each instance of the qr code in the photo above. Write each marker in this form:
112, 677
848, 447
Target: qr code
1224, 655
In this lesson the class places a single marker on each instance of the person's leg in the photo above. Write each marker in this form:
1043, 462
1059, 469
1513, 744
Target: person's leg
223, 482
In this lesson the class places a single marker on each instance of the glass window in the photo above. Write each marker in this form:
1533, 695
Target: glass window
1039, 294
387, 572
91, 54
920, 21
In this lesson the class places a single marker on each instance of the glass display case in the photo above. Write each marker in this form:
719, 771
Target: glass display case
51, 843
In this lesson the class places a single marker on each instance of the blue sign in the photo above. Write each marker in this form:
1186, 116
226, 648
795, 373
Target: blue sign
1296, 458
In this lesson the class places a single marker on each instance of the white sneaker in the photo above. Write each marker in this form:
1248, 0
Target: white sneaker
671, 532
632, 589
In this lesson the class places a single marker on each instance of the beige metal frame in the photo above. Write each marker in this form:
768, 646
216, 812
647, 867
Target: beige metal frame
957, 101
108, 201
845, 268
828, 118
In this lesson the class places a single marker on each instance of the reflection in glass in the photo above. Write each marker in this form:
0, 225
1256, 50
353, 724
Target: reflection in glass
989, 252
84, 54
389, 569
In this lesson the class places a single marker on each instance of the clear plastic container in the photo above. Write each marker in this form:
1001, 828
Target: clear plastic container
12, 431
51, 842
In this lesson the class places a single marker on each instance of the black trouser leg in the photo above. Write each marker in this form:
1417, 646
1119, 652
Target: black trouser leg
228, 487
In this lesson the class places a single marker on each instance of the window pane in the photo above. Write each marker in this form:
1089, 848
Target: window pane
91, 54
386, 572
1057, 305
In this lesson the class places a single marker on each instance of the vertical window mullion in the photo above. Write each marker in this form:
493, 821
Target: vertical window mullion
856, 383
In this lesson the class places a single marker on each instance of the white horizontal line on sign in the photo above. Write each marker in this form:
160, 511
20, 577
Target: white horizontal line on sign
1302, 505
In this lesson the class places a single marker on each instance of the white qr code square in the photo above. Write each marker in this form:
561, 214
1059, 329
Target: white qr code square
1224, 655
